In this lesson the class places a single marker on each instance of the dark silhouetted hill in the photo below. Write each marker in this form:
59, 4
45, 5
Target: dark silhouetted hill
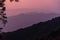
41, 31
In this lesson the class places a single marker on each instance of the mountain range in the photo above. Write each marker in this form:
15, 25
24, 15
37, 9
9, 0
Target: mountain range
25, 20
47, 30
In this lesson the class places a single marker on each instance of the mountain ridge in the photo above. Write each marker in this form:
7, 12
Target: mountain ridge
25, 20
36, 31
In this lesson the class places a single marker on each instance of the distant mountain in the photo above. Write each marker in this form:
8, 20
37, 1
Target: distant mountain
47, 30
25, 20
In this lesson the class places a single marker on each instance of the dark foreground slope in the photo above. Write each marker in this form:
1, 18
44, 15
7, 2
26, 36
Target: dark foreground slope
42, 31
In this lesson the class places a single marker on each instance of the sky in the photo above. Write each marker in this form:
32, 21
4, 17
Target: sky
50, 6
32, 4
43, 5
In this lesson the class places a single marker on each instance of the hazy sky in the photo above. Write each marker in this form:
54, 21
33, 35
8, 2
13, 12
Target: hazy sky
33, 4
43, 5
12, 5
46, 5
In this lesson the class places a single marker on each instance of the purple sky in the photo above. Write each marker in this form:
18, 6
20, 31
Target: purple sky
24, 6
43, 5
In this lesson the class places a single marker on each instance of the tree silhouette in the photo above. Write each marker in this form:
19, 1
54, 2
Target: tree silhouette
3, 16
15, 0
2, 10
